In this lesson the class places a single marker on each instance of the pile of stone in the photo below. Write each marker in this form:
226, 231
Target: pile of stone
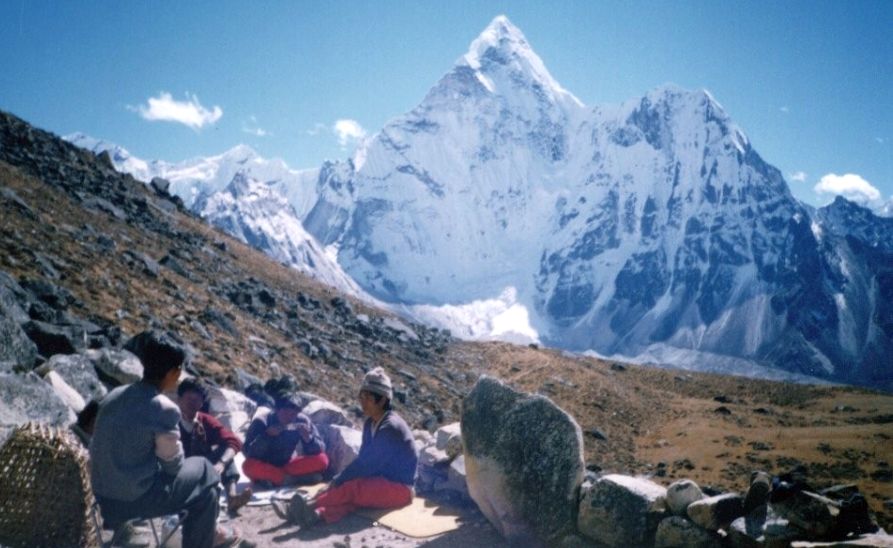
525, 472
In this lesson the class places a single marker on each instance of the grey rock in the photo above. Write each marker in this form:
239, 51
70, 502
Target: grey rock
342, 445
456, 478
26, 398
13, 299
121, 366
715, 512
78, 372
811, 512
432, 456
16, 349
621, 510
676, 531
325, 412
682, 493
524, 462
66, 393
449, 439
233, 409
56, 339
245, 379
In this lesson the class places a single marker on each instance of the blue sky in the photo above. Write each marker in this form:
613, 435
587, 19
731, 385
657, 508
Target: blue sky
811, 83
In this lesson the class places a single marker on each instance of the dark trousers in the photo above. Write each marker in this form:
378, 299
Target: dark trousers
194, 489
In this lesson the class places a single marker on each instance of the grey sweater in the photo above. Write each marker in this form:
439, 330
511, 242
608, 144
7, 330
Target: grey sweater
123, 459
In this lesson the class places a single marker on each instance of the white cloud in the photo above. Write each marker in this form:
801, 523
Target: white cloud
348, 131
252, 128
785, 109
850, 186
167, 109
799, 176
317, 128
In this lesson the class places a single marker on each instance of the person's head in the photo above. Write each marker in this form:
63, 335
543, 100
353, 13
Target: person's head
87, 417
287, 408
191, 397
376, 393
162, 358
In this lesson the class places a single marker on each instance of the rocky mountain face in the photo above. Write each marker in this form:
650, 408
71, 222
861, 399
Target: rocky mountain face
651, 229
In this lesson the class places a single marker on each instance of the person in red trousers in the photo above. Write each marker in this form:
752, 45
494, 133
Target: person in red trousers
382, 475
283, 447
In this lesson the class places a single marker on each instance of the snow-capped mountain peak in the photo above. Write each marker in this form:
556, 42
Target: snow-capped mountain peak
501, 58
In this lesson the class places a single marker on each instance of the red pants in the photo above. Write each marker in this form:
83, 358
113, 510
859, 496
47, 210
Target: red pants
339, 501
258, 470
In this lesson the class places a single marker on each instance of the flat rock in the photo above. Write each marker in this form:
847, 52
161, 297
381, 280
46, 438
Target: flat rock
449, 439
619, 510
524, 462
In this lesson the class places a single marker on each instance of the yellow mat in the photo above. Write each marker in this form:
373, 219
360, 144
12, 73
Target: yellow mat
421, 518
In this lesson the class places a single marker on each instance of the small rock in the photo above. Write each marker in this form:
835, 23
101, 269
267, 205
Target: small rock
715, 512
682, 493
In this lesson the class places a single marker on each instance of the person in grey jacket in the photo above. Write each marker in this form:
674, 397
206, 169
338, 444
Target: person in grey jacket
136, 460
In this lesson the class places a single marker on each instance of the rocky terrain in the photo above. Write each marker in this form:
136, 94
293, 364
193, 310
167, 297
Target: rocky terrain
90, 257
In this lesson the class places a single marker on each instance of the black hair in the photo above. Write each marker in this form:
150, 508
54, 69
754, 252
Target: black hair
87, 416
287, 399
159, 353
193, 385
378, 397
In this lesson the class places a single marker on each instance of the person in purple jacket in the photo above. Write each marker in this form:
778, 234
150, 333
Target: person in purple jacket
382, 475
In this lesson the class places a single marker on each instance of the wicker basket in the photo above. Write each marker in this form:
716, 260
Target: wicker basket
45, 494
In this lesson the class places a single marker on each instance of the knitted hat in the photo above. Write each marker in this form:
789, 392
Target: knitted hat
378, 382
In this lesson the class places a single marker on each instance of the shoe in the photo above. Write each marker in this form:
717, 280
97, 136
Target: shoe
235, 502
297, 509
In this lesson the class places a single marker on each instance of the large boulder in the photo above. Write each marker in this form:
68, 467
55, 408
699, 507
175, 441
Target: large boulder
619, 510
78, 372
27, 398
119, 366
762, 529
342, 445
16, 349
56, 339
523, 462
12, 299
233, 409
323, 412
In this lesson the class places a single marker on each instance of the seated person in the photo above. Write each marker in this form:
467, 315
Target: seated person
282, 446
383, 474
137, 465
203, 435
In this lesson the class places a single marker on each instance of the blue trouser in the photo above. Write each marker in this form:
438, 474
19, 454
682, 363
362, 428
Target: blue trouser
194, 489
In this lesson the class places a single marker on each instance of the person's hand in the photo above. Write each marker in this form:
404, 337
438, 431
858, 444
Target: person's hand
219, 468
303, 430
274, 430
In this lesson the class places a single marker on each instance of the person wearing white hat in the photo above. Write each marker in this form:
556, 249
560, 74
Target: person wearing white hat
383, 474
